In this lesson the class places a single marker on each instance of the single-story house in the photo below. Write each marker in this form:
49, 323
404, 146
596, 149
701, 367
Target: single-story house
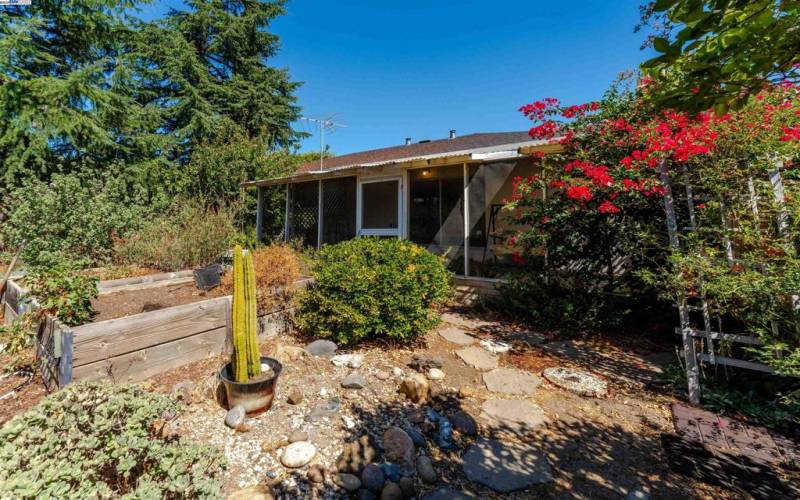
414, 191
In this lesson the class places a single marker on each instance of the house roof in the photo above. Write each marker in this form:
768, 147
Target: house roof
416, 150
474, 147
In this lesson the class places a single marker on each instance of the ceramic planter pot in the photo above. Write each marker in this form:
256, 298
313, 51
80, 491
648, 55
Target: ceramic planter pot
254, 396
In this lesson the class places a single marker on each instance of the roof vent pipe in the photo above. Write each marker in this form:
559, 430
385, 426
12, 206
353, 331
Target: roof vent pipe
408, 141
453, 134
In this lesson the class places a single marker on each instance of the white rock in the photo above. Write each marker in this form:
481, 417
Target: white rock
348, 422
298, 454
495, 347
323, 392
351, 360
397, 372
435, 374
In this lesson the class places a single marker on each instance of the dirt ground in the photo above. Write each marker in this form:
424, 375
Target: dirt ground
598, 448
121, 304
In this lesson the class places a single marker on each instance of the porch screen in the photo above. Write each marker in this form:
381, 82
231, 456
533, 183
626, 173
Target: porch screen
338, 210
303, 212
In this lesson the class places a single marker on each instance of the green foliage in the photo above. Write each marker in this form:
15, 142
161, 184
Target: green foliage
246, 357
72, 218
17, 339
190, 235
719, 53
373, 288
98, 440
63, 292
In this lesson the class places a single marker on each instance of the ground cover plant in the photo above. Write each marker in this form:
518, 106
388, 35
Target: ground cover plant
99, 440
373, 288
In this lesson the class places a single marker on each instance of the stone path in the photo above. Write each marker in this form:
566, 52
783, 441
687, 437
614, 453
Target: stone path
511, 381
577, 381
513, 416
478, 358
506, 467
457, 336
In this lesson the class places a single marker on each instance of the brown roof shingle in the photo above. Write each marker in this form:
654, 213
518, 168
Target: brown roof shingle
418, 149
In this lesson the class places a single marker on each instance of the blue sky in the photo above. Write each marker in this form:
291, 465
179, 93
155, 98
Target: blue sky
418, 68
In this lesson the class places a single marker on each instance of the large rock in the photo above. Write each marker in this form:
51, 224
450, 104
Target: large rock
350, 360
321, 348
348, 482
506, 467
456, 336
298, 454
415, 387
477, 358
578, 381
425, 470
464, 423
391, 491
398, 445
511, 381
512, 416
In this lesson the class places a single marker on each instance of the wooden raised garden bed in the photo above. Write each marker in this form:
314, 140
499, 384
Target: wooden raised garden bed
138, 345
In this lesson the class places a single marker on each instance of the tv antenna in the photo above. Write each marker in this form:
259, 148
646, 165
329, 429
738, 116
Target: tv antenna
323, 124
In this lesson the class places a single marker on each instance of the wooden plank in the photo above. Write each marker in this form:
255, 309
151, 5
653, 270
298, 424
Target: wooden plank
136, 280
144, 363
9, 315
737, 363
65, 362
146, 285
107, 339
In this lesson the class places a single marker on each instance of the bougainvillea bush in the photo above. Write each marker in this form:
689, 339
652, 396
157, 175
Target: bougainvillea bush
595, 215
373, 288
100, 440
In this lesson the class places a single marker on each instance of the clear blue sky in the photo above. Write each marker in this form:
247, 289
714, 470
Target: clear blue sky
418, 68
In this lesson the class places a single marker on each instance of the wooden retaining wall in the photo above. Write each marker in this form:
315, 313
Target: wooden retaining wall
139, 346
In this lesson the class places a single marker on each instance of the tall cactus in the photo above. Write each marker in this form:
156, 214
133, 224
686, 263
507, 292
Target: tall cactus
246, 357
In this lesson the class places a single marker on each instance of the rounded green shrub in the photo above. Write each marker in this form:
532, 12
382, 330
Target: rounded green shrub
101, 440
371, 287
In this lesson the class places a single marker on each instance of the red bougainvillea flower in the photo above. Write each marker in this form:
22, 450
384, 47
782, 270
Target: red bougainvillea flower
791, 134
607, 207
579, 193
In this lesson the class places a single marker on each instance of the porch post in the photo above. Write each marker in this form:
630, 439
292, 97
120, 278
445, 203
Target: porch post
260, 215
319, 214
466, 220
286, 216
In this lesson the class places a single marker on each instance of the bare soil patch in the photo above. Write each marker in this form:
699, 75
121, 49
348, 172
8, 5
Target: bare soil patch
23, 392
121, 304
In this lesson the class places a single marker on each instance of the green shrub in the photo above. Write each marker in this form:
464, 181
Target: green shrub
370, 287
71, 218
99, 440
63, 292
190, 235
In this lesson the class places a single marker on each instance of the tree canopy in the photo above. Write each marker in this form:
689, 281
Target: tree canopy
86, 85
719, 53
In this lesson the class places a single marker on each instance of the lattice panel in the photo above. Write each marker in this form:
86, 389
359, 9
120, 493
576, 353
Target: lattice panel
304, 212
338, 210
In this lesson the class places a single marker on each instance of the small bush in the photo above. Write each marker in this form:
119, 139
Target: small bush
370, 287
98, 440
17, 339
277, 268
191, 235
63, 292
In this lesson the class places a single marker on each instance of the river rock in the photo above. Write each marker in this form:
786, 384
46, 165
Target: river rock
365, 494
415, 387
398, 445
350, 360
298, 454
372, 478
321, 348
295, 396
435, 374
347, 481
382, 375
415, 434
425, 470
464, 423
391, 491
408, 487
354, 381
235, 417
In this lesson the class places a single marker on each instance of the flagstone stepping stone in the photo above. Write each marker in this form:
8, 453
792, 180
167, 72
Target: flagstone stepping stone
511, 381
506, 467
456, 336
464, 321
478, 358
527, 337
578, 381
512, 415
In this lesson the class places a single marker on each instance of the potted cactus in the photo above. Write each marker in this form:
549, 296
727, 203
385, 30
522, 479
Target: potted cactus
249, 378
